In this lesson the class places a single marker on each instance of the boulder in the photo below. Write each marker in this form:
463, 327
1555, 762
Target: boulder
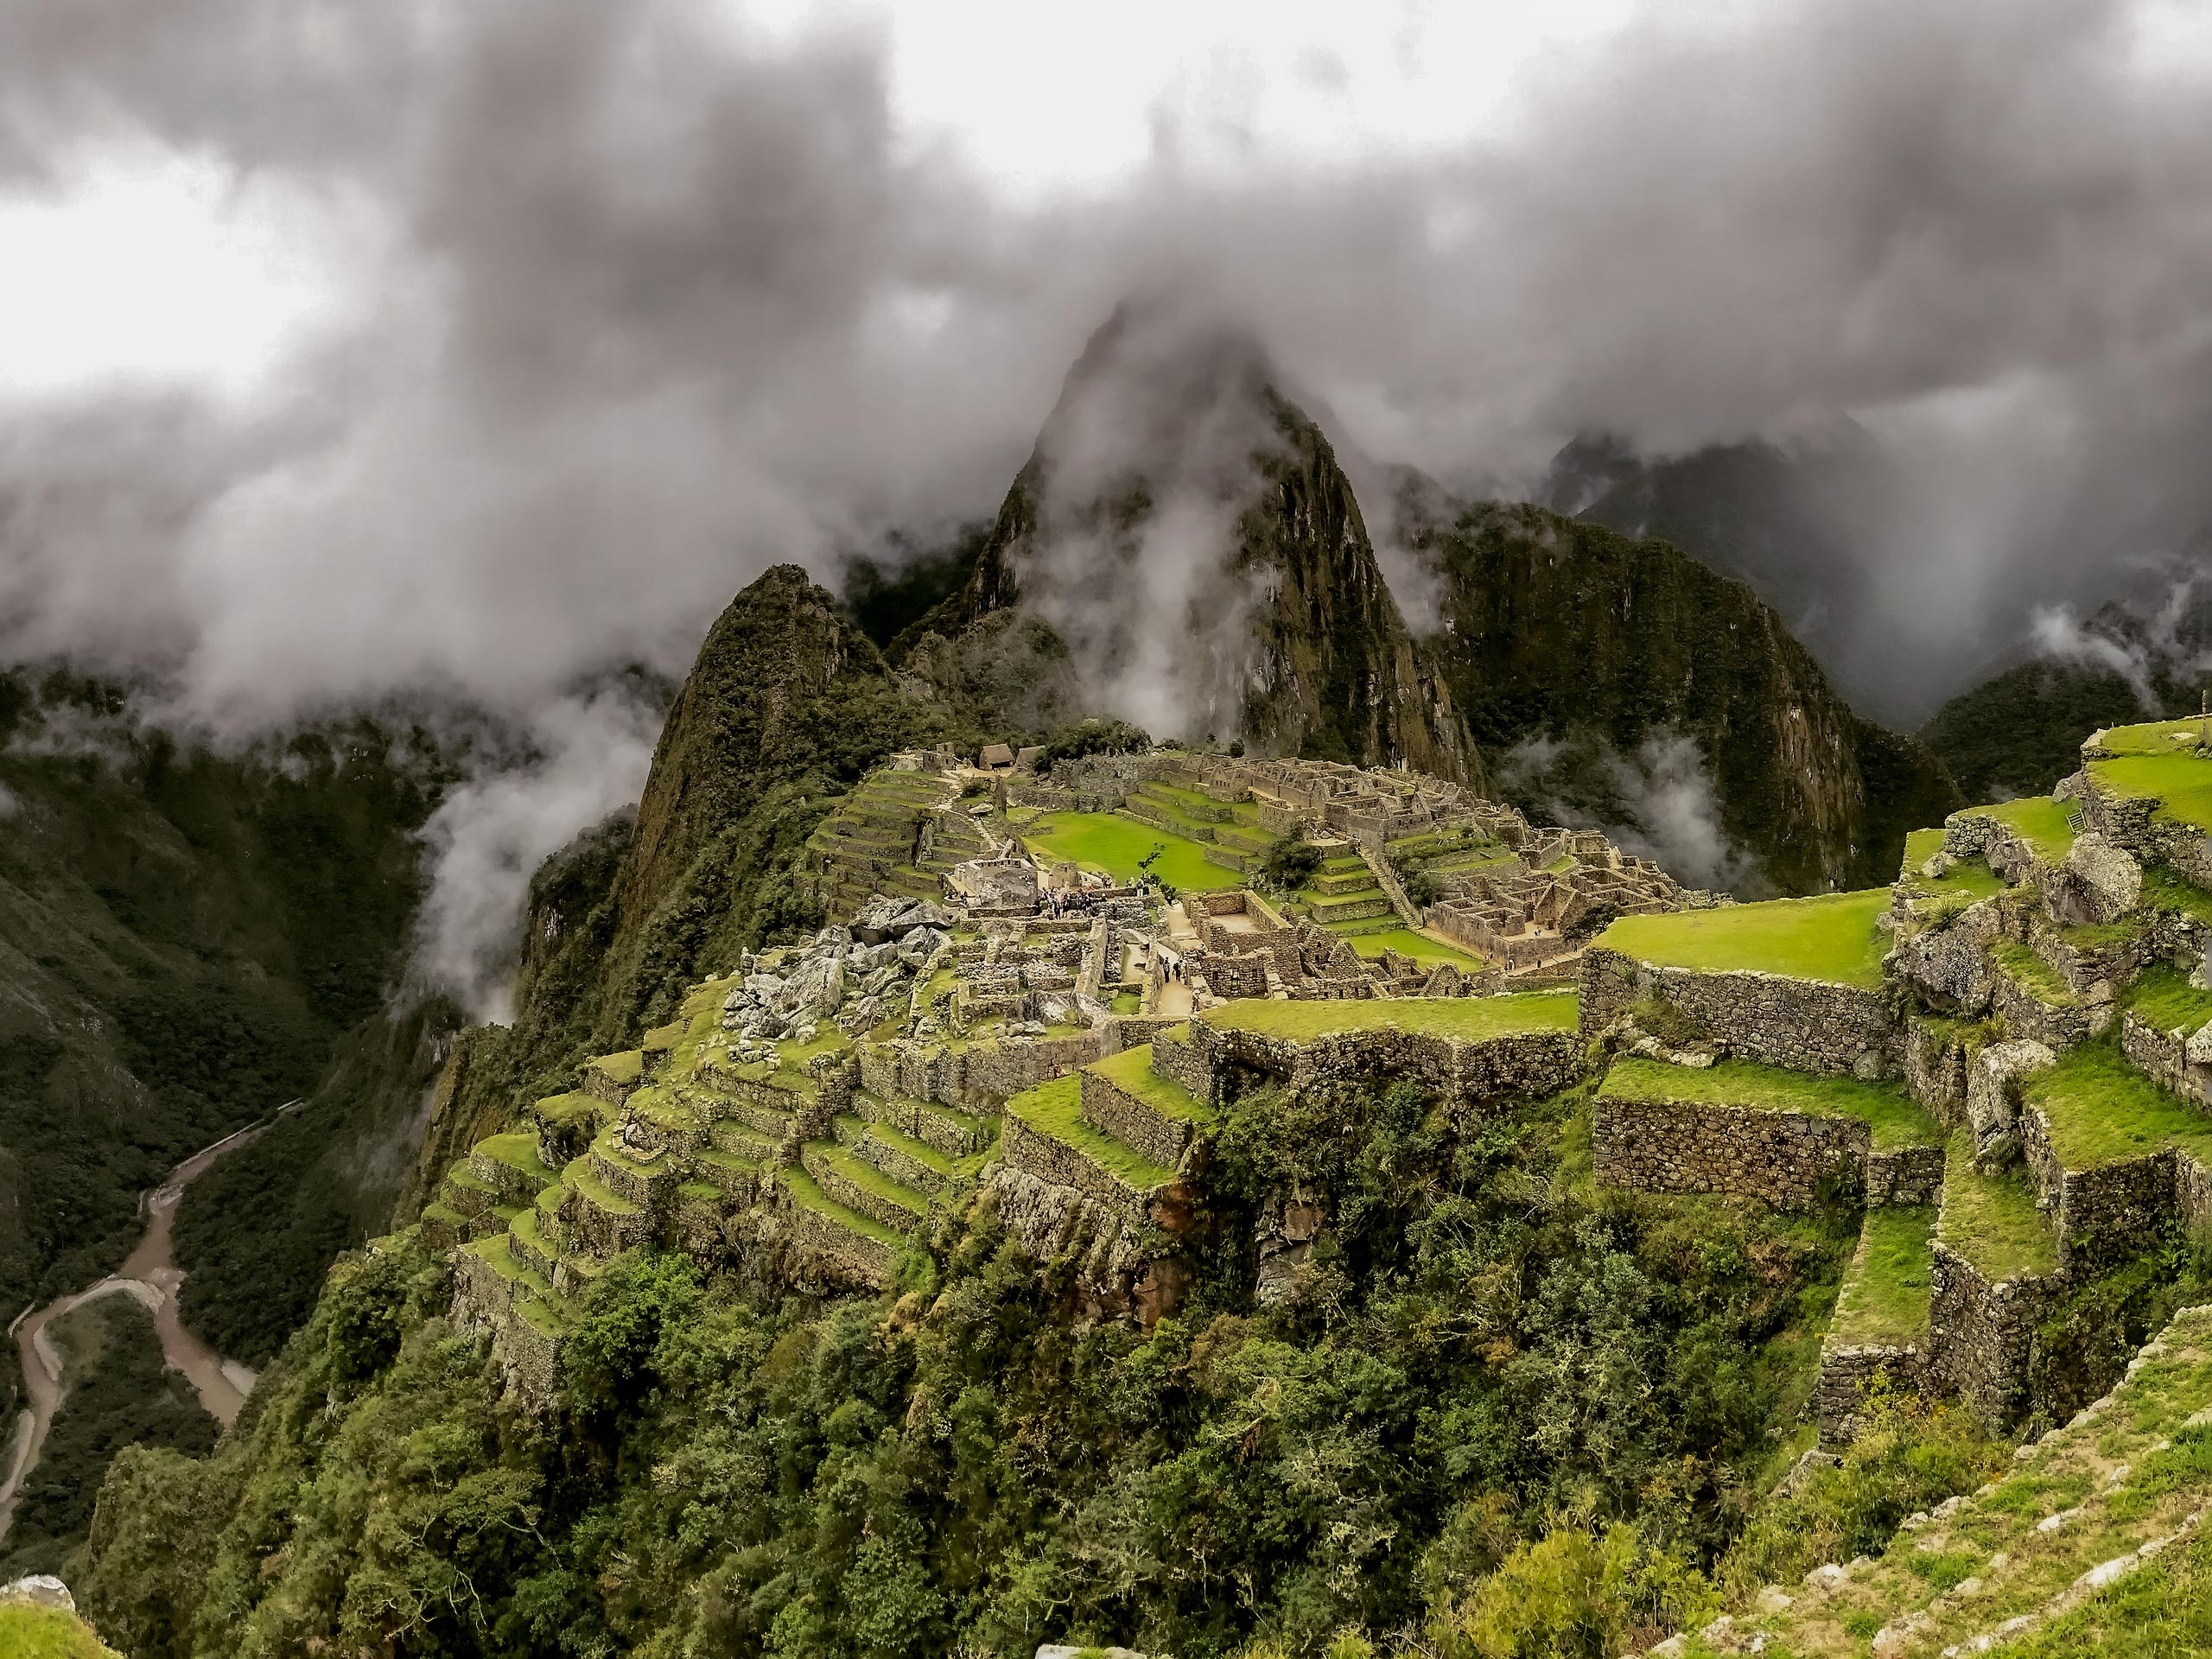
2108, 878
1950, 964
1993, 1079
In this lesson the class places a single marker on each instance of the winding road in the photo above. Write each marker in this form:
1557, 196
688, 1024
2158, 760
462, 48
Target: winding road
150, 1276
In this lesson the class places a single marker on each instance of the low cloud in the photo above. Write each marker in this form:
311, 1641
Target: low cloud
587, 759
1657, 803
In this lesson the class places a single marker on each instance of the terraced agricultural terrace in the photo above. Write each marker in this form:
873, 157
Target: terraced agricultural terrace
2004, 1059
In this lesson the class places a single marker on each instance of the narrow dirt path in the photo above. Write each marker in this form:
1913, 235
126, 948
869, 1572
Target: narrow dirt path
150, 1277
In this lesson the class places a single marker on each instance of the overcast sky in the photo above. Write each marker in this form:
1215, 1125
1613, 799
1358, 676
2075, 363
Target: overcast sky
345, 346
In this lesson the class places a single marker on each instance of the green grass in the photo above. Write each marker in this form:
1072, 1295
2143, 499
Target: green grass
1469, 1018
1831, 939
30, 1631
517, 1151
591, 1188
2163, 890
2038, 820
497, 1250
1884, 1298
1131, 1072
2181, 784
567, 1109
1054, 1110
1117, 846
2165, 999
801, 1186
862, 1174
2101, 1110
1895, 1117
2156, 737
625, 1067
2032, 973
1419, 946
1992, 1220
1968, 879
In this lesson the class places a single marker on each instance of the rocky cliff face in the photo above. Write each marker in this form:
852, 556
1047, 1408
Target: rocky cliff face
1795, 521
1183, 551
1553, 627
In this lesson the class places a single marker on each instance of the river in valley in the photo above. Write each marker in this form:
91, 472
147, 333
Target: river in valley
148, 1275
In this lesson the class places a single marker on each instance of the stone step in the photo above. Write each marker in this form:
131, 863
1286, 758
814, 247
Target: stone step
1358, 880
906, 1160
862, 1187
743, 1141
735, 1177
951, 1131
850, 1245
636, 1180
1363, 908
1154, 816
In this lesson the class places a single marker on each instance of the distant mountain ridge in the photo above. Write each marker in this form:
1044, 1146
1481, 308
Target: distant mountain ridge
1175, 479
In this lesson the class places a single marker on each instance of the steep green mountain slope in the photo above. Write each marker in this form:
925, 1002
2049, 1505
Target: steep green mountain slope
1793, 520
183, 937
1486, 1350
788, 704
1183, 550
2019, 731
1557, 627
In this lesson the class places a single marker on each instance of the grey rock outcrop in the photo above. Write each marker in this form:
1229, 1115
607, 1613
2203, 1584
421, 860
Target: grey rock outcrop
1993, 1077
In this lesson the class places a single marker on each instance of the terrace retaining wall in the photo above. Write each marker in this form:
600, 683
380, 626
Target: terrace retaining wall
1846, 1373
1463, 1070
1981, 1336
1784, 1157
1800, 1024
2163, 1056
2117, 1209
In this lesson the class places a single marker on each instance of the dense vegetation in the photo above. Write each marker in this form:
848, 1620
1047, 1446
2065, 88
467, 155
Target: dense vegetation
1489, 1373
189, 933
119, 1396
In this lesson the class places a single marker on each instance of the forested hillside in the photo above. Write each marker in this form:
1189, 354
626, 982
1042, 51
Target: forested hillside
1490, 1368
184, 937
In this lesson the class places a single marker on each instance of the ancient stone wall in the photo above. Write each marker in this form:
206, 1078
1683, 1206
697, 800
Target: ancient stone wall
1803, 1025
2110, 1213
1909, 1175
1179, 1059
2164, 1055
1531, 1063
1936, 1057
1981, 1335
1155, 1136
1786, 1158
1057, 1163
1846, 1375
2057, 1026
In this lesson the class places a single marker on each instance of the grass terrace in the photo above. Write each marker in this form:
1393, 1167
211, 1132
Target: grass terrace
1117, 847
1992, 1220
1131, 1072
1885, 1293
1055, 1110
2163, 890
2032, 973
1831, 939
29, 1631
2038, 820
2154, 737
1968, 880
1470, 1018
1419, 946
804, 1192
1895, 1117
2165, 999
2181, 784
2102, 1109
